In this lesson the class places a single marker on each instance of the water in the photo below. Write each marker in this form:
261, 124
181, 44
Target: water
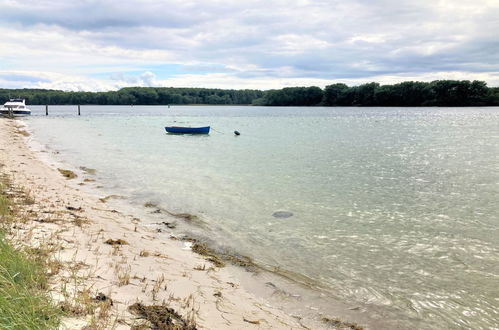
395, 210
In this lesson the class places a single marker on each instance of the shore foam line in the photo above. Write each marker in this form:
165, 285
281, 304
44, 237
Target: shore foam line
144, 268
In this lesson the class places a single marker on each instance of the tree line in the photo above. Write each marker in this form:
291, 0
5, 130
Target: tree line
135, 95
406, 94
409, 93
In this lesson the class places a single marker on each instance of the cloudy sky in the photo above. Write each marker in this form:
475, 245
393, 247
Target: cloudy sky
108, 44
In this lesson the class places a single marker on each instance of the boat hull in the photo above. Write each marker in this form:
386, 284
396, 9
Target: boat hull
15, 112
187, 130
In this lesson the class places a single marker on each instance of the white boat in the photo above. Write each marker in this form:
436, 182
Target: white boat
15, 107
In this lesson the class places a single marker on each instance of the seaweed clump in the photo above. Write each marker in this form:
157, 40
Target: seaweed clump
340, 324
219, 258
185, 216
67, 173
210, 255
161, 317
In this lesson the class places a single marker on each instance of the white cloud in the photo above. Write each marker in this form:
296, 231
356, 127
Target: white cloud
297, 44
48, 80
108, 43
369, 38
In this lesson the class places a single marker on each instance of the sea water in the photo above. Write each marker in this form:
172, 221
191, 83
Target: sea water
394, 210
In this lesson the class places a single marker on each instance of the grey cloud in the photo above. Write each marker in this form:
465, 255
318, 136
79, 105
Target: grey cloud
362, 38
95, 15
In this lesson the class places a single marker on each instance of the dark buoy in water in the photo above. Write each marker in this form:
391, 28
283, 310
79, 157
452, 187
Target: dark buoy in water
237, 133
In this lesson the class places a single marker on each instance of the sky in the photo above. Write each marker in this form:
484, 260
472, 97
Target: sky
90, 45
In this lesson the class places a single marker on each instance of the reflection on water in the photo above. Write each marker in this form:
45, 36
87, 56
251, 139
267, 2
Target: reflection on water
393, 209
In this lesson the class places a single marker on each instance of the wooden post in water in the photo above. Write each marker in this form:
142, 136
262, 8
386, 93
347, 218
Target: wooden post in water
46, 110
78, 110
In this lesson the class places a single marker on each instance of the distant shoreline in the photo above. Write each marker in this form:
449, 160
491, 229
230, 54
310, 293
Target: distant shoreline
440, 93
266, 106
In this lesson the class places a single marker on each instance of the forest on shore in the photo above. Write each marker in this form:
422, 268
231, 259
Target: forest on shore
410, 93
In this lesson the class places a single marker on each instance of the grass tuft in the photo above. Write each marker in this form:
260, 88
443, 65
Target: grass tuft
24, 301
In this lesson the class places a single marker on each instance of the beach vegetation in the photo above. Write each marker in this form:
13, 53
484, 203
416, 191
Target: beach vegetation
24, 299
157, 286
123, 274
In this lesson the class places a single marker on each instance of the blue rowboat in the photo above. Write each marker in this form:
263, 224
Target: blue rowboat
187, 130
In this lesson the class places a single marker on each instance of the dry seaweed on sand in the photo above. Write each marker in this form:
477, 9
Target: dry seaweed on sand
161, 317
67, 173
251, 321
72, 208
114, 242
170, 225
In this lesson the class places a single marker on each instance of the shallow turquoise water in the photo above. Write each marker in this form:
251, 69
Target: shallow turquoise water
394, 209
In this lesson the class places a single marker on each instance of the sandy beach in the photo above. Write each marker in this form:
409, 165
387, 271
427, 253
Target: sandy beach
104, 261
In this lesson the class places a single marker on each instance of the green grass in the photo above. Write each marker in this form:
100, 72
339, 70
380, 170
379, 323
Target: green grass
24, 301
